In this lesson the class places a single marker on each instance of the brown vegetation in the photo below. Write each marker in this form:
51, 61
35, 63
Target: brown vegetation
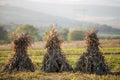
92, 61
20, 60
104, 43
54, 60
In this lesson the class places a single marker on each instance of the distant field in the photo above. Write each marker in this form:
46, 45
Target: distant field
71, 44
72, 55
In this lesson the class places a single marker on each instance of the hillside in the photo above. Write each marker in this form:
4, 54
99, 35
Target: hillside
12, 16
18, 15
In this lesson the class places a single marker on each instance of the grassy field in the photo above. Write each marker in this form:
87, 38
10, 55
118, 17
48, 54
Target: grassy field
112, 58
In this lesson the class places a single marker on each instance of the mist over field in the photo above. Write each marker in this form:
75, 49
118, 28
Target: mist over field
94, 11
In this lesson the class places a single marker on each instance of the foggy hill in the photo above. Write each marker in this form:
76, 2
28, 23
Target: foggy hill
13, 16
10, 14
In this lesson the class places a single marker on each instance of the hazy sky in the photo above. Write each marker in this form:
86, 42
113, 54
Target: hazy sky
92, 2
89, 2
102, 11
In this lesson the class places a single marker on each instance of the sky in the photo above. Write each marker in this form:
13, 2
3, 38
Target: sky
99, 11
91, 2
88, 2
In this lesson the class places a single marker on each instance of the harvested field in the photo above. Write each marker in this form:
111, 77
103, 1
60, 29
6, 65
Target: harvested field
72, 55
70, 44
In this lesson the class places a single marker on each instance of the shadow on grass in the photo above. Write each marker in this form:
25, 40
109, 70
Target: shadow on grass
115, 73
10, 78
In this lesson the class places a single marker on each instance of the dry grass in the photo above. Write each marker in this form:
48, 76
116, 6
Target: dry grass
72, 44
56, 76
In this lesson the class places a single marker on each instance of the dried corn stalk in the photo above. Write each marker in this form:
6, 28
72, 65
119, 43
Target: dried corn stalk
54, 60
20, 60
92, 61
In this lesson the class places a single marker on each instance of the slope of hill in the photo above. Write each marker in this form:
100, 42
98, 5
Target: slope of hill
13, 16
22, 16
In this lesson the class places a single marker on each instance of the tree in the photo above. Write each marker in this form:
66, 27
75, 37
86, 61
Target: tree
76, 35
64, 33
3, 35
30, 29
45, 34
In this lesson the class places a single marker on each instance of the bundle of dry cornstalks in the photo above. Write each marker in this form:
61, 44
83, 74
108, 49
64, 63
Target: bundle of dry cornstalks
20, 60
54, 60
92, 61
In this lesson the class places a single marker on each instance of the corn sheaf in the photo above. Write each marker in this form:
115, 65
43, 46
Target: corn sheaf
20, 60
54, 60
92, 61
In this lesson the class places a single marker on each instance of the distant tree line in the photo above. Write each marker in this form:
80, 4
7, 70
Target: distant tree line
42, 33
3, 35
